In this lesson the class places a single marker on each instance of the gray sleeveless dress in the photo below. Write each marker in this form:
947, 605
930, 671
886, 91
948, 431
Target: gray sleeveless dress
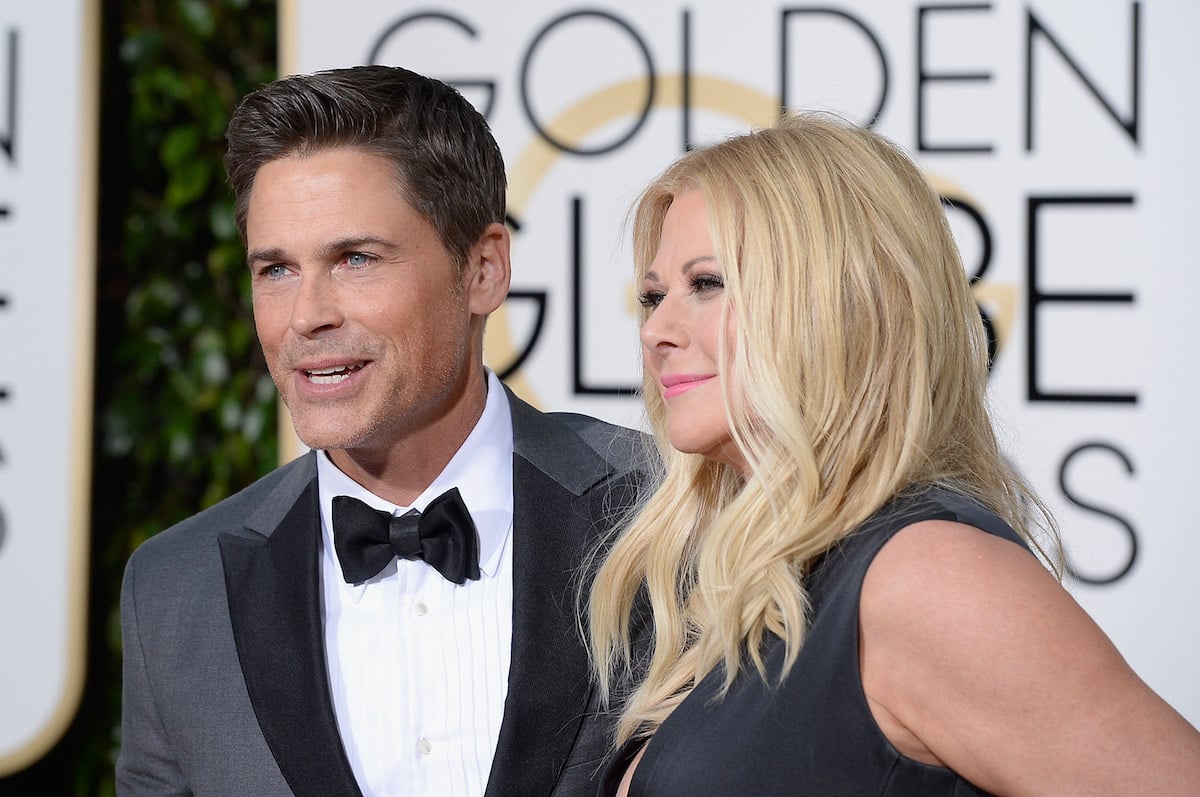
812, 734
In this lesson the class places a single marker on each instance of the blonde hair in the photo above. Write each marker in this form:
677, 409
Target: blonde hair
856, 327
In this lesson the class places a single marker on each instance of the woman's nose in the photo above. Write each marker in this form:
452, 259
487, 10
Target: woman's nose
665, 328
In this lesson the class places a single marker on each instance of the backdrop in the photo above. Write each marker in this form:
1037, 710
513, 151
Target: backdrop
1061, 132
48, 142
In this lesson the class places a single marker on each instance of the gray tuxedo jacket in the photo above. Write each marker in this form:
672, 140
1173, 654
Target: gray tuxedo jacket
225, 685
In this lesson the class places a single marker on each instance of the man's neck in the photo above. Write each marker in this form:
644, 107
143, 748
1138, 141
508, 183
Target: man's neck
402, 471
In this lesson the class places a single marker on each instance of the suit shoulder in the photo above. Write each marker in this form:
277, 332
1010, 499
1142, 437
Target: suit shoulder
624, 449
198, 533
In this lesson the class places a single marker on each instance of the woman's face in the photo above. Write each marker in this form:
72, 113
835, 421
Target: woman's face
685, 293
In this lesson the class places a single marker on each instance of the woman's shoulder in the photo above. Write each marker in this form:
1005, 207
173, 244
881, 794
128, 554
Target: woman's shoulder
949, 567
940, 503
845, 565
974, 656
950, 570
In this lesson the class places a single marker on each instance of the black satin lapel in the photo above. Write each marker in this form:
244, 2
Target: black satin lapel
549, 681
275, 607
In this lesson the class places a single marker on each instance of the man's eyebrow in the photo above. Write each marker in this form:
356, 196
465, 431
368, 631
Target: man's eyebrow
260, 255
354, 242
328, 250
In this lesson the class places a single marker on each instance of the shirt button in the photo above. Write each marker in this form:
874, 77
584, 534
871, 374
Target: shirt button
420, 609
423, 746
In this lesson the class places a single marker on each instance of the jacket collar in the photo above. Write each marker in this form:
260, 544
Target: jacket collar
271, 578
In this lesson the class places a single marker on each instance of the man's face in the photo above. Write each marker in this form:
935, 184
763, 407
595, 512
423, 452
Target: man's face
370, 331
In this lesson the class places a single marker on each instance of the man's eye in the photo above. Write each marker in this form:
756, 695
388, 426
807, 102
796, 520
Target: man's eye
358, 259
273, 271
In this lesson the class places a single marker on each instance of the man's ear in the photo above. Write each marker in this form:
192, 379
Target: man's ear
489, 270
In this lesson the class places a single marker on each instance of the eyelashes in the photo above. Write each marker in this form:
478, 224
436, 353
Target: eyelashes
698, 284
651, 299
706, 282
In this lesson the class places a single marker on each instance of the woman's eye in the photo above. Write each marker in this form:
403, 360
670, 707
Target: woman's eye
651, 298
707, 282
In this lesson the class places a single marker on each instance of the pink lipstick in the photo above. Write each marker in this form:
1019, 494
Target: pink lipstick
681, 383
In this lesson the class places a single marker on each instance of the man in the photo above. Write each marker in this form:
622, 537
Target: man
314, 634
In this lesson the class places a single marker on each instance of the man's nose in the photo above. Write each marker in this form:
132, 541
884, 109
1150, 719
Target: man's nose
316, 308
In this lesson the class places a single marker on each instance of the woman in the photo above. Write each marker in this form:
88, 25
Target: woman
839, 561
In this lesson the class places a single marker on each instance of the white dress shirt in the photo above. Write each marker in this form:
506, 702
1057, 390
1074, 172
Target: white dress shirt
418, 665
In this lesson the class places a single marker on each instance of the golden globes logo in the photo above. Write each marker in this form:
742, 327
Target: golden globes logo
604, 120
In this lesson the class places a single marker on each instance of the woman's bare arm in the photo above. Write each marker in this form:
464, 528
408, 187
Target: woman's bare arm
973, 656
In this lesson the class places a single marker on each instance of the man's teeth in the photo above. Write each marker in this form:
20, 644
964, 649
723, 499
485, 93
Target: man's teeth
330, 376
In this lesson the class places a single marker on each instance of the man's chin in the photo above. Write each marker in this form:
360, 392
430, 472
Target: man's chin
325, 437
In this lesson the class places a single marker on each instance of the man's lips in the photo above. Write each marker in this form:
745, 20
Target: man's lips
330, 374
675, 384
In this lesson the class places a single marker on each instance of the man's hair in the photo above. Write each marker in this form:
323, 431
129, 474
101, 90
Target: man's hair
447, 163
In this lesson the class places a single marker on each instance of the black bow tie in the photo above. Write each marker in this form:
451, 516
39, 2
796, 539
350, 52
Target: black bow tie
443, 535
